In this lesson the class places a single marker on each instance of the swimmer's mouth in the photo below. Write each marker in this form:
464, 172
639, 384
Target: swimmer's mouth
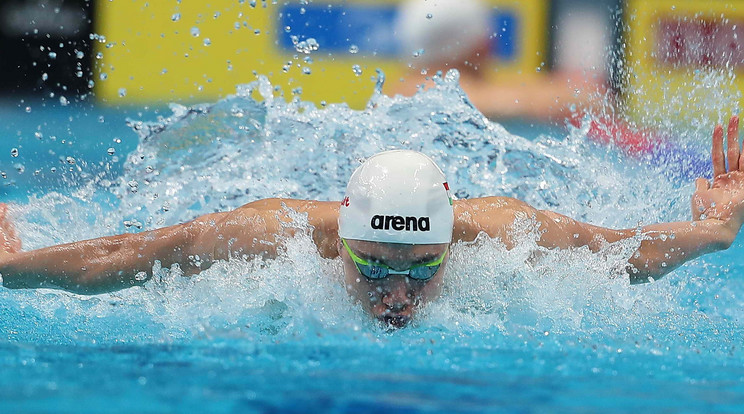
395, 321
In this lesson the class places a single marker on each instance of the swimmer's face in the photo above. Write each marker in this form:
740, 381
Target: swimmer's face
395, 298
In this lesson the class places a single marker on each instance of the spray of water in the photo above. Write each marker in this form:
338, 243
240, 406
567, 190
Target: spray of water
217, 157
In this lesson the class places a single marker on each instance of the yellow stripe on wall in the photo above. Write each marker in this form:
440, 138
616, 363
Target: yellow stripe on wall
164, 51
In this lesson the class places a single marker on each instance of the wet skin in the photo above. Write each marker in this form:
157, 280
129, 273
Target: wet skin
258, 230
394, 299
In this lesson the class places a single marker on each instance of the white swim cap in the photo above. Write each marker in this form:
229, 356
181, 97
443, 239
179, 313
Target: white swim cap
444, 29
397, 197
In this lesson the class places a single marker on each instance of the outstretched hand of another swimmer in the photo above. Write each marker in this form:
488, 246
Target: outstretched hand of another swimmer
9, 241
723, 199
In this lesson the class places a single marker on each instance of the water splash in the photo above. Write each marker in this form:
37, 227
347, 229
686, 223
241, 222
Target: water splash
254, 145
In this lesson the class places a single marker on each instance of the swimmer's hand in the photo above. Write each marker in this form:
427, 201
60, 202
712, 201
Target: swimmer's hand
723, 199
9, 242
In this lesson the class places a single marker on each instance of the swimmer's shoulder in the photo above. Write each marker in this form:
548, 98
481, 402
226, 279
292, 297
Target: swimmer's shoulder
314, 209
322, 217
494, 216
495, 206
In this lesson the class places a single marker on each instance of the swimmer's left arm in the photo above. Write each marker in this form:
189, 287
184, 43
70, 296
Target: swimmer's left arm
717, 217
717, 211
663, 248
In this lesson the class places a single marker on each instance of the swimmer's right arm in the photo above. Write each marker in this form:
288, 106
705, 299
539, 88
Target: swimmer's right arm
116, 262
107, 263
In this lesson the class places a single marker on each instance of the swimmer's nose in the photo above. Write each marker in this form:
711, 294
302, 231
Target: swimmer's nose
397, 296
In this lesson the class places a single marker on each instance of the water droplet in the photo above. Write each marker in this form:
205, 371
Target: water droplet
63, 101
429, 16
44, 76
195, 32
111, 151
99, 55
257, 32
357, 70
306, 70
307, 46
313, 44
14, 152
52, 55
80, 55
353, 49
207, 41
103, 76
287, 29
28, 109
122, 92
70, 160
252, 3
176, 17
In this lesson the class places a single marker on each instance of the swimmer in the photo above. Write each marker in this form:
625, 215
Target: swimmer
393, 232
456, 34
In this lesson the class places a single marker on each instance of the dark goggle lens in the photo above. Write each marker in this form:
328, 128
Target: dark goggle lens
380, 272
423, 272
372, 272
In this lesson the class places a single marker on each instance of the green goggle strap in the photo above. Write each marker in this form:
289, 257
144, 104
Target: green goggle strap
361, 261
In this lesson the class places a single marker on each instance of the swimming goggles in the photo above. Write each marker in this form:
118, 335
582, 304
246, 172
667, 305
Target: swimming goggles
424, 271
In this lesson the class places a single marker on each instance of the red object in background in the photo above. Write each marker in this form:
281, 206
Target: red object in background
700, 43
612, 131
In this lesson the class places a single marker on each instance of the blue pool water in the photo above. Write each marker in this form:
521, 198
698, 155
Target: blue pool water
565, 334
56, 147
